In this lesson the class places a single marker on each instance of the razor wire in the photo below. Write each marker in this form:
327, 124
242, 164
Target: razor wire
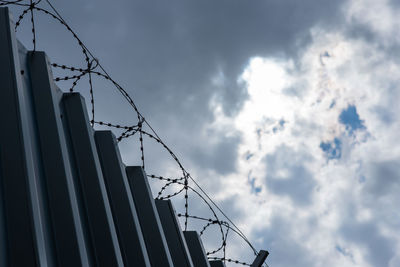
183, 184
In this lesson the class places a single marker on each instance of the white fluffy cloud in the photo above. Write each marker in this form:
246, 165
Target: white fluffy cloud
318, 170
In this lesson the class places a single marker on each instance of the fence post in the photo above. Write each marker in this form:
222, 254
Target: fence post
261, 257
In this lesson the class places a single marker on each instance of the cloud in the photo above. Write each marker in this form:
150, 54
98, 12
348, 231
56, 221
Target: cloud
174, 50
285, 168
379, 250
339, 210
221, 156
282, 246
383, 178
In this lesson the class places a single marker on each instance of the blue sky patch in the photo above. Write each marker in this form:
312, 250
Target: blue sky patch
333, 149
343, 251
254, 189
350, 118
332, 105
280, 126
249, 155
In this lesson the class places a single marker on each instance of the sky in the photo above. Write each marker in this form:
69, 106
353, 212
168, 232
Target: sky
286, 112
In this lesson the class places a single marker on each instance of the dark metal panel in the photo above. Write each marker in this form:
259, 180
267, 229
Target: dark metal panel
89, 178
196, 249
130, 236
66, 222
261, 257
24, 207
34, 160
173, 233
217, 264
148, 217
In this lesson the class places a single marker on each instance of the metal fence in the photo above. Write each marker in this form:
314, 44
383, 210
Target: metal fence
66, 198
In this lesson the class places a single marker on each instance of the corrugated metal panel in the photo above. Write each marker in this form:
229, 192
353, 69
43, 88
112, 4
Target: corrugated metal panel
148, 217
196, 249
175, 240
134, 251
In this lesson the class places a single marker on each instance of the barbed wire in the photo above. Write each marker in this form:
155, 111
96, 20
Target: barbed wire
92, 67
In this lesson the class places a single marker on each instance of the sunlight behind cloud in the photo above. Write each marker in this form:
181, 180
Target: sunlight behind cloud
307, 134
266, 78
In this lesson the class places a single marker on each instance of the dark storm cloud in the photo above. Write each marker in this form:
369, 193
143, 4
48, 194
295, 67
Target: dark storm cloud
287, 174
180, 45
171, 50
